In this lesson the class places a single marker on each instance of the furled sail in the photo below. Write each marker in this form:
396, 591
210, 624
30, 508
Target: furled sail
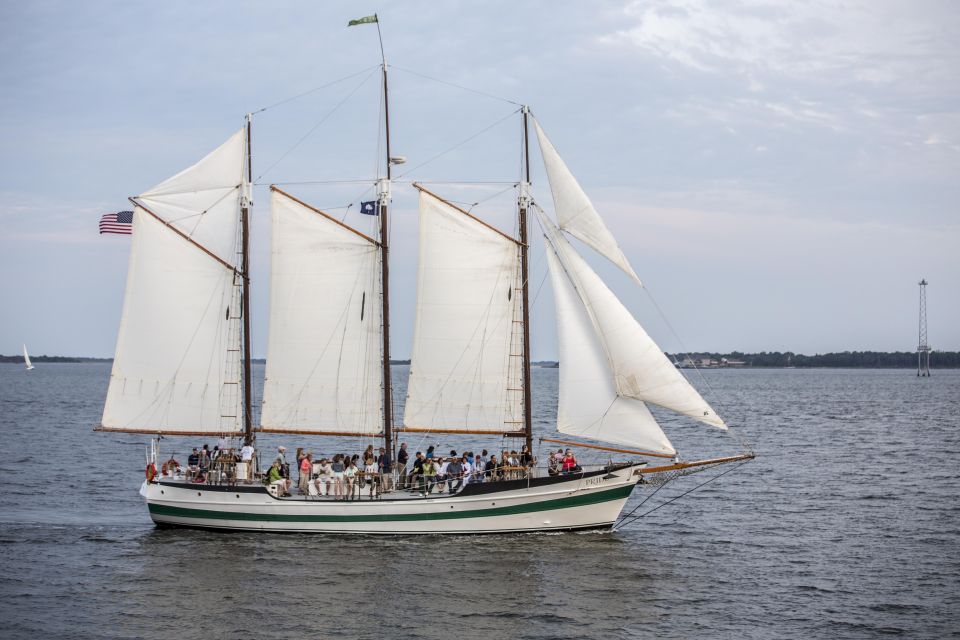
175, 369
465, 361
575, 213
324, 372
638, 367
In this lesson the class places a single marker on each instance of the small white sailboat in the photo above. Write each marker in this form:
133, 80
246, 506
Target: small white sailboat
328, 353
26, 359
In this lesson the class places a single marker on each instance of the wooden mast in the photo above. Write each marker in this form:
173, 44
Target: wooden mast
524, 202
248, 436
383, 188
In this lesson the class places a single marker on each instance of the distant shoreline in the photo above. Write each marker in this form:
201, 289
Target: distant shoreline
704, 360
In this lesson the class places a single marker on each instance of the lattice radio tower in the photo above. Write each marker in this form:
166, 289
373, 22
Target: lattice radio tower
923, 349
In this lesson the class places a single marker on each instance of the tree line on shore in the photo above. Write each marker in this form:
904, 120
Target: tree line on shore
845, 359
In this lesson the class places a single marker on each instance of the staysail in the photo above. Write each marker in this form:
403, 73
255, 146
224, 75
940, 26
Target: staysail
575, 213
324, 372
466, 364
176, 367
637, 366
589, 405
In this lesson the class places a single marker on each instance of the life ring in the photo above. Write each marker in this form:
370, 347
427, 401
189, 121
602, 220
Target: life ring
169, 467
151, 472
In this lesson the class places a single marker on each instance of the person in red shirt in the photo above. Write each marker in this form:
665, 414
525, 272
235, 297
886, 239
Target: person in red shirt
569, 462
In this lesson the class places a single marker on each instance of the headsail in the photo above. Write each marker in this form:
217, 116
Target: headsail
176, 366
575, 213
589, 405
323, 372
464, 376
638, 367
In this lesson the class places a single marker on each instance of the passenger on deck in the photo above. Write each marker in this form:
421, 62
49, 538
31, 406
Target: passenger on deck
350, 480
455, 475
429, 474
569, 462
491, 470
306, 470
526, 458
442, 474
416, 473
480, 465
385, 468
402, 458
274, 478
467, 462
246, 455
324, 477
193, 461
371, 477
338, 468
429, 452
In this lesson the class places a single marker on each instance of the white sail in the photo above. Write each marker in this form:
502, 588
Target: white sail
639, 368
461, 373
171, 360
324, 369
575, 213
589, 405
176, 368
202, 201
26, 358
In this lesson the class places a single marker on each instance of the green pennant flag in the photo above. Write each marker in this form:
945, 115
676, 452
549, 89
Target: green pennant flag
364, 20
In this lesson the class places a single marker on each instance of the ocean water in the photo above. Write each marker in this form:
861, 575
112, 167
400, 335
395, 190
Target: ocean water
846, 526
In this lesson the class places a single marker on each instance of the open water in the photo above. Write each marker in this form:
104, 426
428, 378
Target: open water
846, 526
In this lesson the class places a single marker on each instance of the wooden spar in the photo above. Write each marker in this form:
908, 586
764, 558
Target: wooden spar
421, 188
137, 203
325, 215
385, 272
636, 452
309, 432
160, 432
697, 463
525, 277
248, 437
506, 434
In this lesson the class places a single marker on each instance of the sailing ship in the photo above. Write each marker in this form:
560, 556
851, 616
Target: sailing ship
26, 359
182, 365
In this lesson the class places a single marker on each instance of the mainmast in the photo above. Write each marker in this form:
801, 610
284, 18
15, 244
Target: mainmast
245, 203
383, 195
524, 202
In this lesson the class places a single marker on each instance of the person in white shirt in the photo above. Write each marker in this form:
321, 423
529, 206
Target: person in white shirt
442, 474
371, 474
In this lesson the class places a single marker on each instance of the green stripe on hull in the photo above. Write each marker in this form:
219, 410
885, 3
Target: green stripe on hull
546, 505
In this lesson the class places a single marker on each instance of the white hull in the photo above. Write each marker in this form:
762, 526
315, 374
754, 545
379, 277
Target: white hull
583, 501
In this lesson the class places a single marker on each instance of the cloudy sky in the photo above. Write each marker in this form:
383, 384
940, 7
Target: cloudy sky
780, 174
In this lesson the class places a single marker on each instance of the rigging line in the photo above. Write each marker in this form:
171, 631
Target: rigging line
685, 493
512, 183
459, 144
314, 127
346, 181
642, 502
497, 194
713, 394
453, 84
315, 89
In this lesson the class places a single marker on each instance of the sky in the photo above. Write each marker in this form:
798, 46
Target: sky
780, 174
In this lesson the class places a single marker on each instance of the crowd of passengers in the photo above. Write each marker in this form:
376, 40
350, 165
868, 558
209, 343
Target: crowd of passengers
344, 476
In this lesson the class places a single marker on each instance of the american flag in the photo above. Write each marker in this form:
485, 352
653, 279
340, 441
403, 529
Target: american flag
119, 222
